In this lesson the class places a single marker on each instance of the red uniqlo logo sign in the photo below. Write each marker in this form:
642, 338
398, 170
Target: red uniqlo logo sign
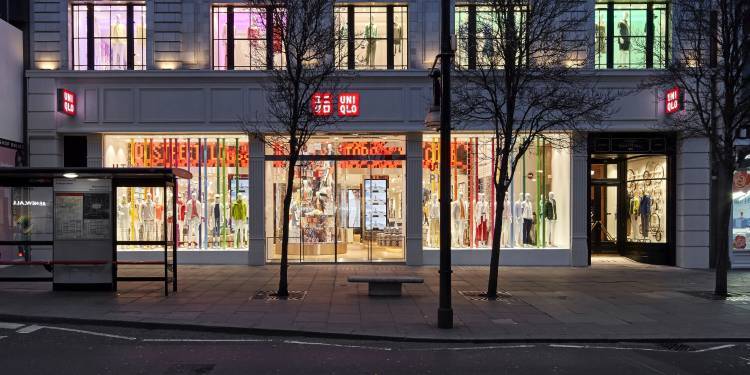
348, 104
673, 101
66, 102
322, 104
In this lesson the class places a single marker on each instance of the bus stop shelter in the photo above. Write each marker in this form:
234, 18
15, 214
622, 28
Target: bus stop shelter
62, 223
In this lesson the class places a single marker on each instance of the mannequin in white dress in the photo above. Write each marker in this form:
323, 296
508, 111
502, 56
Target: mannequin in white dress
481, 222
458, 220
518, 218
507, 222
528, 219
433, 215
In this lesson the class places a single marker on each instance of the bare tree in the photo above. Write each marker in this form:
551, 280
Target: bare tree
526, 82
304, 30
710, 67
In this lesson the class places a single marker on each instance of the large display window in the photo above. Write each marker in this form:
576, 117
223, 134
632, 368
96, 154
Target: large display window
631, 35
109, 36
246, 38
347, 201
740, 211
535, 209
478, 32
212, 207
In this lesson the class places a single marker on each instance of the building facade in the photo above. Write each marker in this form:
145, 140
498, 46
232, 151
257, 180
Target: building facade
164, 83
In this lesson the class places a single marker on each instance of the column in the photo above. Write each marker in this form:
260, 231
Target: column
414, 197
579, 215
256, 200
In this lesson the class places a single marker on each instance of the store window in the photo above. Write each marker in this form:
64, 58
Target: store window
348, 201
646, 179
631, 35
535, 210
740, 211
372, 37
247, 38
478, 32
212, 207
109, 36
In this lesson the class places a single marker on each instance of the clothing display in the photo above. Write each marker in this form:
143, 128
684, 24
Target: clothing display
519, 225
434, 222
481, 220
645, 211
238, 213
528, 220
371, 35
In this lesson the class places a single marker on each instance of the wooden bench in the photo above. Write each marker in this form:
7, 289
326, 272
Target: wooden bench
388, 285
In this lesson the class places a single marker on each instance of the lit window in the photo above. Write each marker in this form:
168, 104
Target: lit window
478, 35
247, 38
372, 37
109, 36
626, 39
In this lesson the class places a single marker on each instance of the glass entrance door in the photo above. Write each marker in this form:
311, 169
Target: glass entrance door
604, 216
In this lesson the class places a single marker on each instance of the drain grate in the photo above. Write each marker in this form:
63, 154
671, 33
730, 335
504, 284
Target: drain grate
190, 369
474, 295
270, 295
677, 347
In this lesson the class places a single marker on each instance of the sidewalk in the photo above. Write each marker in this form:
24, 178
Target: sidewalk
615, 299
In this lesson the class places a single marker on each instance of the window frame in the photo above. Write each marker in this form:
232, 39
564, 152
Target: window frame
230, 38
651, 42
89, 9
351, 39
472, 50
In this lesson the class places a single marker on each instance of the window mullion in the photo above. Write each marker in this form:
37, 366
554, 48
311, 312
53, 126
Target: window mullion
650, 36
269, 37
350, 36
230, 38
131, 38
389, 36
610, 35
90, 36
472, 37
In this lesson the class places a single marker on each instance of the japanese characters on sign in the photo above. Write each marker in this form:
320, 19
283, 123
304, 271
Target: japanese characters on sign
66, 102
322, 104
673, 101
347, 104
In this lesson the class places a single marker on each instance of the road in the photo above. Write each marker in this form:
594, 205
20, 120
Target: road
84, 349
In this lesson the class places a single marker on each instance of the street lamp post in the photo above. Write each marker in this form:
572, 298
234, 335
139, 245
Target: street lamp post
445, 311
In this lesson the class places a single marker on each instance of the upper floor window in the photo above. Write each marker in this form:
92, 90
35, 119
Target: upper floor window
372, 37
109, 36
479, 35
631, 35
247, 38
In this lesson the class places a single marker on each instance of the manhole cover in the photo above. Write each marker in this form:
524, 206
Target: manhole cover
474, 295
190, 369
270, 295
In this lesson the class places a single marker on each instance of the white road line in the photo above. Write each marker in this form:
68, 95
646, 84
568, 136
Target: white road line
206, 340
5, 325
90, 333
720, 347
472, 348
337, 345
29, 329
2, 337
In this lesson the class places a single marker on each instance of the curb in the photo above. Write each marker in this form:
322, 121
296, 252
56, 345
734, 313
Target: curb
348, 336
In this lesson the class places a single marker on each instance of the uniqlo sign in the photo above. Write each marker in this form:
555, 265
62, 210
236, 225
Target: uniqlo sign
348, 104
66, 102
673, 100
322, 103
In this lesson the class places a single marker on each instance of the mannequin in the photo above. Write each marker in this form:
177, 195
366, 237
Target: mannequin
623, 40
458, 219
135, 220
181, 209
194, 218
397, 36
159, 214
601, 37
118, 39
528, 219
434, 220
294, 218
645, 213
507, 221
123, 219
518, 207
216, 216
481, 214
148, 212
239, 221
550, 217
633, 211
488, 50
371, 35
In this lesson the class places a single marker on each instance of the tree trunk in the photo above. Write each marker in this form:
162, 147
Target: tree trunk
723, 210
497, 232
283, 283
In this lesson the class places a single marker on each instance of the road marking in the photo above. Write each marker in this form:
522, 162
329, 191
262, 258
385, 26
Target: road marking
5, 325
566, 346
337, 345
720, 347
206, 340
90, 333
2, 337
472, 348
29, 329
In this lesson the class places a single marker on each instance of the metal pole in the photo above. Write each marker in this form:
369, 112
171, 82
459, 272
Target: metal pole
445, 311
